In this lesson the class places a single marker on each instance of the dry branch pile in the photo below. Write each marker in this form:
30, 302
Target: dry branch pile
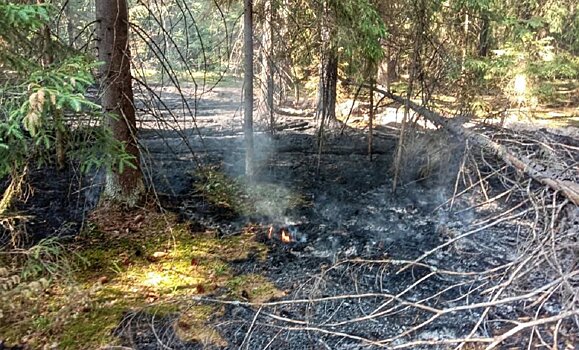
559, 177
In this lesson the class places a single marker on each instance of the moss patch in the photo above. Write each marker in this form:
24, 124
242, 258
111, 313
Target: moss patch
140, 260
256, 288
93, 326
241, 198
192, 325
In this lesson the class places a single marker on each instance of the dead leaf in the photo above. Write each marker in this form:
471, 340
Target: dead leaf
159, 254
200, 289
156, 256
138, 219
183, 325
151, 297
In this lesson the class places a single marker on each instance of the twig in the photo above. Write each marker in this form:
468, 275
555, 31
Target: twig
522, 326
466, 234
248, 334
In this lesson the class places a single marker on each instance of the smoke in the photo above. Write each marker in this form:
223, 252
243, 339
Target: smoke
431, 159
269, 197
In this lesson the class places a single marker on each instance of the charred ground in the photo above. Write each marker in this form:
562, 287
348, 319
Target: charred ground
348, 280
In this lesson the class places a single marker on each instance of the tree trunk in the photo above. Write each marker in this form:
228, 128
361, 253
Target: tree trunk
248, 87
392, 69
371, 121
267, 63
68, 11
125, 187
466, 41
59, 127
326, 111
327, 87
415, 73
387, 70
484, 36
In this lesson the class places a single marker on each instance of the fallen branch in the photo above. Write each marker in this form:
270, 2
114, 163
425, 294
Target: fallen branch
568, 188
459, 237
292, 126
292, 112
534, 323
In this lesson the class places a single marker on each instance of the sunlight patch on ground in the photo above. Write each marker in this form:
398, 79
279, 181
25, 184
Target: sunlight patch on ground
135, 263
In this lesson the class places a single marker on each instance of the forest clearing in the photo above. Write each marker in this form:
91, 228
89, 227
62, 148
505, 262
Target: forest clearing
274, 174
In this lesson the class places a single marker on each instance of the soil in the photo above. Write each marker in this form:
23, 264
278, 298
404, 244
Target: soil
349, 224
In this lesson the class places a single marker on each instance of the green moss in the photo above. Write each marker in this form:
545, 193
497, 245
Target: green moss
256, 287
241, 198
93, 328
124, 274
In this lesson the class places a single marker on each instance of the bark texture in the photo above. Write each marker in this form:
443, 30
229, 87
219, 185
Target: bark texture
248, 87
326, 109
267, 63
125, 187
484, 35
328, 87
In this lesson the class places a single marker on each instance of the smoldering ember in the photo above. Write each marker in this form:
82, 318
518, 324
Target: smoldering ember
353, 174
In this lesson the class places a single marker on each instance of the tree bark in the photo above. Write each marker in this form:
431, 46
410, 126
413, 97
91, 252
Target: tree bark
125, 187
387, 69
466, 41
267, 63
326, 112
68, 11
371, 121
59, 126
248, 87
484, 36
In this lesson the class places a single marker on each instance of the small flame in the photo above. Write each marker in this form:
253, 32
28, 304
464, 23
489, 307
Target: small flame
285, 237
270, 232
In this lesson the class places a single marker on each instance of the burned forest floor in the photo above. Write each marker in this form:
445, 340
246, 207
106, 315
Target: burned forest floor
317, 252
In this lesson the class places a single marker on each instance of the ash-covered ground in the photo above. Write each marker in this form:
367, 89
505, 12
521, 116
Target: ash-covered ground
343, 273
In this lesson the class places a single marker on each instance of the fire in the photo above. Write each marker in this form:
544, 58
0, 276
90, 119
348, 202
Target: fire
270, 232
285, 237
283, 234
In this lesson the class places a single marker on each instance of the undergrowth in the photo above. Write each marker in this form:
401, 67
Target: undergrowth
242, 198
76, 294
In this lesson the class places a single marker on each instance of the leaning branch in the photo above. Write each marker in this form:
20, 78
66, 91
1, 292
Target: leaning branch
568, 188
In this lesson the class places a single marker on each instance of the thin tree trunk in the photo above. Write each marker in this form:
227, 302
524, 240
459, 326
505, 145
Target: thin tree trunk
402, 138
392, 73
328, 87
47, 60
248, 87
267, 62
419, 30
69, 23
371, 122
484, 36
326, 111
125, 187
465, 43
